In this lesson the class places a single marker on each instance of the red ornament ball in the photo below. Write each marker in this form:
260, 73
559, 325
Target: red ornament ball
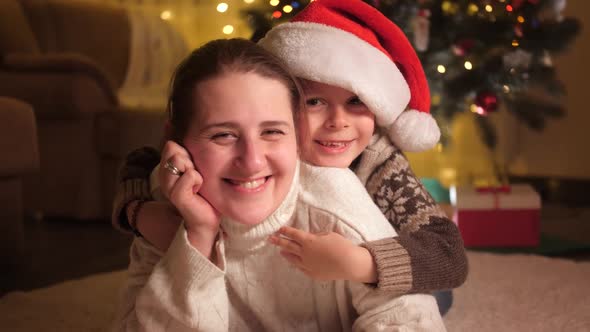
487, 101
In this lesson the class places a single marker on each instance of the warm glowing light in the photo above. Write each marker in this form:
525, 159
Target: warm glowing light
509, 8
441, 69
287, 9
248, 1
277, 14
477, 109
228, 29
222, 7
468, 65
472, 9
489, 8
520, 19
515, 43
274, 3
506, 88
439, 147
446, 6
166, 15
435, 99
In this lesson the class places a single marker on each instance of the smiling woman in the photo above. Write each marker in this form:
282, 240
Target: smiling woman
239, 181
245, 148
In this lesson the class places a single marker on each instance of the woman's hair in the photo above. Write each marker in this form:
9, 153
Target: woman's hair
215, 58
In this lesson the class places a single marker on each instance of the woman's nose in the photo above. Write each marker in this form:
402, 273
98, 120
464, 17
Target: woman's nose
337, 118
252, 156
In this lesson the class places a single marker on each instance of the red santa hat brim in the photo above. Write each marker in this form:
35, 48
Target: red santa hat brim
332, 56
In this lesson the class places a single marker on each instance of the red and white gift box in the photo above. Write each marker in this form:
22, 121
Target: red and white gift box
506, 216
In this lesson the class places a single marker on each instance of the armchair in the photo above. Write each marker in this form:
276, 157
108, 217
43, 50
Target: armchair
69, 60
20, 158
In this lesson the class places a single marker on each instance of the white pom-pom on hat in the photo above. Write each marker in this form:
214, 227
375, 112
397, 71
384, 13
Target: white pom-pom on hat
414, 131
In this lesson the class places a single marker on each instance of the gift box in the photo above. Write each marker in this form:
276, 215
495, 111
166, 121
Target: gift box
506, 216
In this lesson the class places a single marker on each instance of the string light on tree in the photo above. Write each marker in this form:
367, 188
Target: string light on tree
248, 1
166, 15
287, 9
222, 7
228, 29
274, 3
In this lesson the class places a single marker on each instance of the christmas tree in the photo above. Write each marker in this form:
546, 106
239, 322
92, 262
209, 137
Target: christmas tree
479, 55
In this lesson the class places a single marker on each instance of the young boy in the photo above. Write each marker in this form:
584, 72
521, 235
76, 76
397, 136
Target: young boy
355, 62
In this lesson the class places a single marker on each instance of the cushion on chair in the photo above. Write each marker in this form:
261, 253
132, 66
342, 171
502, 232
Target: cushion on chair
15, 33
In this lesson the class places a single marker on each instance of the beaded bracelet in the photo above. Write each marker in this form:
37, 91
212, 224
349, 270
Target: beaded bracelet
133, 221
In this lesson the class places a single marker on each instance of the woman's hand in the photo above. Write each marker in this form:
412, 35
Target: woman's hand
201, 220
325, 256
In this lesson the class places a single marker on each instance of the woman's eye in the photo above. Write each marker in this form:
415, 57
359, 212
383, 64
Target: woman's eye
273, 132
223, 136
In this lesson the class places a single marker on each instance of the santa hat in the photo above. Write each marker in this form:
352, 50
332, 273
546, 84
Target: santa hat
350, 44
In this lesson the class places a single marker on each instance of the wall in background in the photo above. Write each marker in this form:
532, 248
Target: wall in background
561, 150
198, 20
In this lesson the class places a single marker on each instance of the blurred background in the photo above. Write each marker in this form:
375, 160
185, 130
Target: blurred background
83, 82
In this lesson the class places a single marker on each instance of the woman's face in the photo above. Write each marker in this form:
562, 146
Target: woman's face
243, 142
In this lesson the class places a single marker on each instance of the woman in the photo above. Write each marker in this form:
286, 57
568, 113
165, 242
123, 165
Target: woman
232, 107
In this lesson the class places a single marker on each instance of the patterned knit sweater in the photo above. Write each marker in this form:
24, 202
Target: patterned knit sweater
252, 288
428, 253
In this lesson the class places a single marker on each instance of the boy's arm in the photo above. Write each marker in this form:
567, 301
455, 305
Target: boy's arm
380, 310
428, 253
133, 184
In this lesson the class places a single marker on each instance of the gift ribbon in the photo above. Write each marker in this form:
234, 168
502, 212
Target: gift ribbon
494, 191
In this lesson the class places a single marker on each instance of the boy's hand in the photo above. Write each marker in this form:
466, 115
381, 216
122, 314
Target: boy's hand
325, 256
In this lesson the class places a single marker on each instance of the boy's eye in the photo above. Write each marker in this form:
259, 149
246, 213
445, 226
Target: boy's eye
313, 102
355, 101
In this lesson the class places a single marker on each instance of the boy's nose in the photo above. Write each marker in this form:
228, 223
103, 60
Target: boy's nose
337, 118
251, 158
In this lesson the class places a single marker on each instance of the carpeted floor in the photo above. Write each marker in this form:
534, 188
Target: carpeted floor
515, 292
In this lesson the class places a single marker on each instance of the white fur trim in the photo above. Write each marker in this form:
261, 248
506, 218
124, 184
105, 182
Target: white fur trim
414, 131
333, 56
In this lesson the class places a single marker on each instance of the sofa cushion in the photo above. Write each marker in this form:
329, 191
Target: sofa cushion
18, 134
15, 32
120, 132
96, 30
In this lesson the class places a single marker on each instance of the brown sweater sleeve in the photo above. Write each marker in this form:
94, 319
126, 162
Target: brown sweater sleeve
428, 253
133, 183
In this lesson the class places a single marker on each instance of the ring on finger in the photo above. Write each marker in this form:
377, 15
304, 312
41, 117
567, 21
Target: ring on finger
173, 169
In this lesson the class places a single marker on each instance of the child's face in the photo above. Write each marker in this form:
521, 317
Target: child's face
335, 126
243, 142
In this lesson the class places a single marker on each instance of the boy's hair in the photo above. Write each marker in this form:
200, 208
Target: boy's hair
216, 58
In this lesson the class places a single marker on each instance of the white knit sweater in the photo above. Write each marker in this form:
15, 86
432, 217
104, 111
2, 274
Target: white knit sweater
252, 288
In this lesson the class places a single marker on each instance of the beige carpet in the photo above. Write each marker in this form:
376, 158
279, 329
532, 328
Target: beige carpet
503, 293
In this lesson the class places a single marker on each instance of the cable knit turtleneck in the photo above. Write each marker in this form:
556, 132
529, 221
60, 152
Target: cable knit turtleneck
251, 237
253, 288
